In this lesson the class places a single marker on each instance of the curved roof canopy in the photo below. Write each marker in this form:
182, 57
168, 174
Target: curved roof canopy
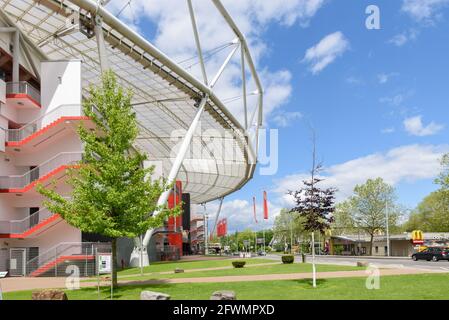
165, 95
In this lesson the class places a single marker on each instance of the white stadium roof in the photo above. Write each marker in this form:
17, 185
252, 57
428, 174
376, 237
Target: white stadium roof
165, 95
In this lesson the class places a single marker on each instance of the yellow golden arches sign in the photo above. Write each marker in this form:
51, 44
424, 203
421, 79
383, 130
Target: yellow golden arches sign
417, 237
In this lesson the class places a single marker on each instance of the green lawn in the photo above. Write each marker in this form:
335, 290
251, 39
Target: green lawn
188, 265
424, 286
278, 268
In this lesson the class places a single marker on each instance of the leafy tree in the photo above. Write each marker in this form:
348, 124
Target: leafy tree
343, 222
431, 215
288, 226
367, 207
315, 205
113, 195
443, 178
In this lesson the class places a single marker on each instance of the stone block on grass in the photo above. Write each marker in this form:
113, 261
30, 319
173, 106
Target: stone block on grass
362, 264
151, 295
49, 295
223, 295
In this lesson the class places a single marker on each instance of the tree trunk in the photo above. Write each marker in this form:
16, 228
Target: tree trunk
371, 244
114, 263
313, 261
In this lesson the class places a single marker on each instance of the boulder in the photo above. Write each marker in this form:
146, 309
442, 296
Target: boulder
362, 264
223, 295
49, 295
151, 295
178, 270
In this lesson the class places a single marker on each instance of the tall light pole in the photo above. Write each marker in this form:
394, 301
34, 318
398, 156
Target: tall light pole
291, 233
206, 234
387, 229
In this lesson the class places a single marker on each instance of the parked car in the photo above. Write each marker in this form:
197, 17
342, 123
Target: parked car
434, 254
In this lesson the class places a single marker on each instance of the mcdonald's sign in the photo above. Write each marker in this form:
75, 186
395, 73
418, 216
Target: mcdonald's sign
417, 237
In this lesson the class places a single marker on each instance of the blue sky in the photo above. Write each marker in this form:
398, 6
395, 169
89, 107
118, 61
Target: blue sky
377, 99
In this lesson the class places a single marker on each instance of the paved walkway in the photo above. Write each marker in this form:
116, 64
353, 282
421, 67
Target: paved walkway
18, 284
273, 277
196, 270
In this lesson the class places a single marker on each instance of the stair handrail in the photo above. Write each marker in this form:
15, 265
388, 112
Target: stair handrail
22, 225
32, 127
74, 156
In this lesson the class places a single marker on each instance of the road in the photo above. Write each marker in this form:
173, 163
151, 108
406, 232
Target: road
393, 262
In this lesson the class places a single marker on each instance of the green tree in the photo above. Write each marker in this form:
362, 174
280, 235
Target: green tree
288, 226
343, 222
367, 207
443, 178
431, 215
113, 195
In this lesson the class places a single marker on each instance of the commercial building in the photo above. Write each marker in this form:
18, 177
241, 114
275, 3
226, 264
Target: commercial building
401, 245
50, 52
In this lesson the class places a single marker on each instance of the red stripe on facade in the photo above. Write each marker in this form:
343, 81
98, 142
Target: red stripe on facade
33, 184
32, 230
45, 129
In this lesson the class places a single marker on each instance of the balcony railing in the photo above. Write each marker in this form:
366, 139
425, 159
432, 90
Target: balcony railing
21, 226
15, 135
19, 182
23, 87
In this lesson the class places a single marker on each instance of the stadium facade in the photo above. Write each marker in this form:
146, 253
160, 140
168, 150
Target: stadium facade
51, 51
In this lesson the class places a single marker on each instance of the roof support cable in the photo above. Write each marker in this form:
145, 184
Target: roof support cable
197, 41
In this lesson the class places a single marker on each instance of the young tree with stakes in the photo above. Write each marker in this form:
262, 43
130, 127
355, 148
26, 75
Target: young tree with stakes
315, 205
113, 195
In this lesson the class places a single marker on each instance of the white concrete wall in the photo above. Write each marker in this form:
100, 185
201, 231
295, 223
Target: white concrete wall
2, 91
60, 85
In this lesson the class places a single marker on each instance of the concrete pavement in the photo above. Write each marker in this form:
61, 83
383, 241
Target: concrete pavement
383, 262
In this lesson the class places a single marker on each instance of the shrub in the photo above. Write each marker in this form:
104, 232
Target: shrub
238, 264
288, 259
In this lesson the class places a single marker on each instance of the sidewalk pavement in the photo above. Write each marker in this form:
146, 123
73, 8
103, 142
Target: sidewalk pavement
18, 284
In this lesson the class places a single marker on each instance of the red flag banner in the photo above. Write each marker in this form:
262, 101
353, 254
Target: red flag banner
265, 206
254, 206
222, 228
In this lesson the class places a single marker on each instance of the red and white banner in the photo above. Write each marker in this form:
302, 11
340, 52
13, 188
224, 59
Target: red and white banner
265, 206
222, 228
254, 206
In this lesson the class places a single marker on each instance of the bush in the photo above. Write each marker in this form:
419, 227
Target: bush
238, 264
288, 259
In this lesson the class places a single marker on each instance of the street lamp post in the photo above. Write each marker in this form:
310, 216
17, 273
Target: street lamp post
387, 228
206, 234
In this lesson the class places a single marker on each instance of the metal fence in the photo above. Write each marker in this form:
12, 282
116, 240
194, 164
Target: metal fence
65, 258
23, 87
21, 181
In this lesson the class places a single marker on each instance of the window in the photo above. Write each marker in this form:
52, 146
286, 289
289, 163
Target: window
377, 249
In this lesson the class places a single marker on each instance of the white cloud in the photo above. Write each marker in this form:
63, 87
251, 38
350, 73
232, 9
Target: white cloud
385, 77
403, 164
326, 51
354, 80
423, 10
174, 36
402, 38
285, 119
388, 130
415, 127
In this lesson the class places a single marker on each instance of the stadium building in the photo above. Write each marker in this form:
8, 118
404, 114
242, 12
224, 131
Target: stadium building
50, 52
